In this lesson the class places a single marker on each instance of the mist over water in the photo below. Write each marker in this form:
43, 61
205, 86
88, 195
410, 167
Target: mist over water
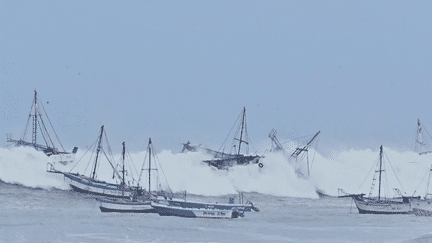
351, 170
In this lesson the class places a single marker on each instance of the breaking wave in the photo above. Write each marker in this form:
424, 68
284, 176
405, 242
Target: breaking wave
351, 170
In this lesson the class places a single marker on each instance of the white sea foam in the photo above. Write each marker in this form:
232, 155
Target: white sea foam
345, 169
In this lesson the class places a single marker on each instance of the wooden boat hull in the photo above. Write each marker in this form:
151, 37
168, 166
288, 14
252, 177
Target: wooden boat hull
422, 207
125, 206
188, 204
372, 206
84, 184
166, 210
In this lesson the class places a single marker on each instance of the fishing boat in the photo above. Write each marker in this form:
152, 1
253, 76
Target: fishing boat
90, 184
137, 203
223, 161
38, 128
380, 204
246, 207
168, 210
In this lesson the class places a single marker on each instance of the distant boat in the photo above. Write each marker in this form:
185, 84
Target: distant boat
90, 184
380, 205
136, 203
225, 160
38, 129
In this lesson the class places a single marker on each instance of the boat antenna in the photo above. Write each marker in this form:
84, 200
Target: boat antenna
380, 170
97, 151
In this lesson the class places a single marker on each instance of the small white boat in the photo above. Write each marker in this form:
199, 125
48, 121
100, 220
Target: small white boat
166, 210
125, 206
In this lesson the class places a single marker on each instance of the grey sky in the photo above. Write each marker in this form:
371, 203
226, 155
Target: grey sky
359, 71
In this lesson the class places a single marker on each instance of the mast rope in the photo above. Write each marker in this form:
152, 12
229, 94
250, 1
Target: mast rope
421, 183
395, 173
52, 127
83, 157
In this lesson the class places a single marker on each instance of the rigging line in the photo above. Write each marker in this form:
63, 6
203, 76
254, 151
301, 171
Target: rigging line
235, 123
133, 164
373, 166
303, 137
394, 173
28, 119
51, 127
83, 156
43, 135
142, 167
158, 161
44, 130
426, 131
112, 166
421, 182
313, 159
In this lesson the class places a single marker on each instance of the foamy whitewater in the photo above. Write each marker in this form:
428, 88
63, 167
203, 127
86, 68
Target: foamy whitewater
351, 170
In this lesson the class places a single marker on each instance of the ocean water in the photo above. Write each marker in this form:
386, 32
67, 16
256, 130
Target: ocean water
40, 215
37, 206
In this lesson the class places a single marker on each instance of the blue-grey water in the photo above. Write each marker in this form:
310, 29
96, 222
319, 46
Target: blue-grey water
39, 215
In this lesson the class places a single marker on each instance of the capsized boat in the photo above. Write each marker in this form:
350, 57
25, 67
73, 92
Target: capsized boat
223, 161
38, 129
380, 204
138, 203
90, 184
167, 210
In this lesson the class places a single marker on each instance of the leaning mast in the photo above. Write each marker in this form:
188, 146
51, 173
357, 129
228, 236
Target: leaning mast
97, 152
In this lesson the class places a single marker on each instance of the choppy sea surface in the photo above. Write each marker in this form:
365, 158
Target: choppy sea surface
41, 215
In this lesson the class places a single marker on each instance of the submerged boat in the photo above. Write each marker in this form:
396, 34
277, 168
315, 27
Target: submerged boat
38, 129
90, 184
137, 203
380, 204
224, 160
167, 210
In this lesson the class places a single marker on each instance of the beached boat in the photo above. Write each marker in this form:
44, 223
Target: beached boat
38, 129
138, 203
223, 161
90, 184
167, 210
380, 204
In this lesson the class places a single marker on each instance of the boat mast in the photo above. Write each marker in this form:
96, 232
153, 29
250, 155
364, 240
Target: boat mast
97, 152
380, 170
34, 119
241, 131
123, 171
149, 148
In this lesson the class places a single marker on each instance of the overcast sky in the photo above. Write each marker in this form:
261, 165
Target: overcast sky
359, 71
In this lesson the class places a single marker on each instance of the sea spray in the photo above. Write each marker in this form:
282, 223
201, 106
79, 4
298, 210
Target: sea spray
351, 170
